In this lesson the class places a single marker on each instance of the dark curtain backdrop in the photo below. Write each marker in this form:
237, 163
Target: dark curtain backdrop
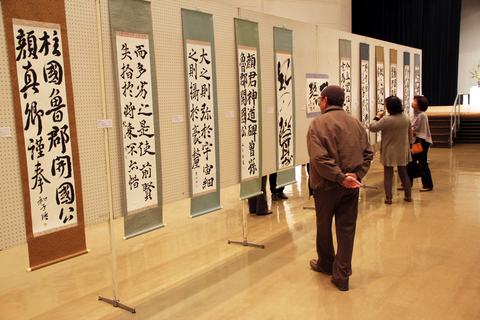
430, 25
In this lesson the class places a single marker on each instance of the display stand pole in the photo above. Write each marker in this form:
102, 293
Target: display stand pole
115, 302
363, 185
245, 231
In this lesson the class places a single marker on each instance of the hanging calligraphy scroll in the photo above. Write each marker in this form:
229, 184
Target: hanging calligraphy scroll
134, 56
345, 49
250, 97
46, 132
315, 85
406, 82
365, 83
380, 90
393, 72
200, 70
416, 75
285, 92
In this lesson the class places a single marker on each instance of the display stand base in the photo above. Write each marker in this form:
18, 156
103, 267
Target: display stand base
371, 187
247, 244
117, 304
305, 207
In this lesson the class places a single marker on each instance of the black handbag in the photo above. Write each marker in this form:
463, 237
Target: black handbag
414, 170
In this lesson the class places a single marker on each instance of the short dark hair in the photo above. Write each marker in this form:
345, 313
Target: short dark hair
422, 102
334, 94
394, 105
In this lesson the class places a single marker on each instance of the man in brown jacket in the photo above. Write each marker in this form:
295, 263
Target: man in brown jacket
340, 156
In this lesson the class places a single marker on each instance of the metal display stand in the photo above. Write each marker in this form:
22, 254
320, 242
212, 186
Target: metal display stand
115, 302
245, 232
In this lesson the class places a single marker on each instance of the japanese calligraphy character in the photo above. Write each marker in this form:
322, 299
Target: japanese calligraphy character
132, 166
208, 182
284, 138
45, 44
67, 217
38, 177
65, 193
30, 79
146, 170
22, 45
252, 167
251, 61
32, 45
203, 57
36, 147
143, 129
144, 106
128, 110
125, 52
58, 137
252, 77
193, 91
203, 74
207, 169
130, 149
127, 89
32, 116
127, 72
147, 188
206, 113
196, 134
206, 148
142, 93
62, 165
144, 147
133, 182
205, 91
53, 72
284, 75
129, 132
191, 55
56, 104
141, 70
196, 158
140, 52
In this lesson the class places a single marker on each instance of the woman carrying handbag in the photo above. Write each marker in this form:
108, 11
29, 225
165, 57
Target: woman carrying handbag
421, 130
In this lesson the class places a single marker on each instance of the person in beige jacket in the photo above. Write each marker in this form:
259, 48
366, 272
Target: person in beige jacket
340, 156
397, 136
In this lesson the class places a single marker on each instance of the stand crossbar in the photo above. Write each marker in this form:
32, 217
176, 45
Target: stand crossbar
117, 304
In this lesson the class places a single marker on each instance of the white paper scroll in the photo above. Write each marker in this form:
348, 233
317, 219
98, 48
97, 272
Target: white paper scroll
416, 72
346, 83
201, 114
365, 93
40, 71
314, 85
380, 87
393, 79
249, 126
406, 89
285, 154
135, 81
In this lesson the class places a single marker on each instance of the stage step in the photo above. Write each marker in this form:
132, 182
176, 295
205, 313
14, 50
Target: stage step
440, 129
469, 130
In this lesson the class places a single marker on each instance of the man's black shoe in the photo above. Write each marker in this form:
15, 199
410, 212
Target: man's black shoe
314, 265
341, 288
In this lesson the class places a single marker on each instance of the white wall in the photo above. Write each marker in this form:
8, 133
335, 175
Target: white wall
333, 14
469, 50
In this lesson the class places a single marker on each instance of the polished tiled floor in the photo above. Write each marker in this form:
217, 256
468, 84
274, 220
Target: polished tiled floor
418, 260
